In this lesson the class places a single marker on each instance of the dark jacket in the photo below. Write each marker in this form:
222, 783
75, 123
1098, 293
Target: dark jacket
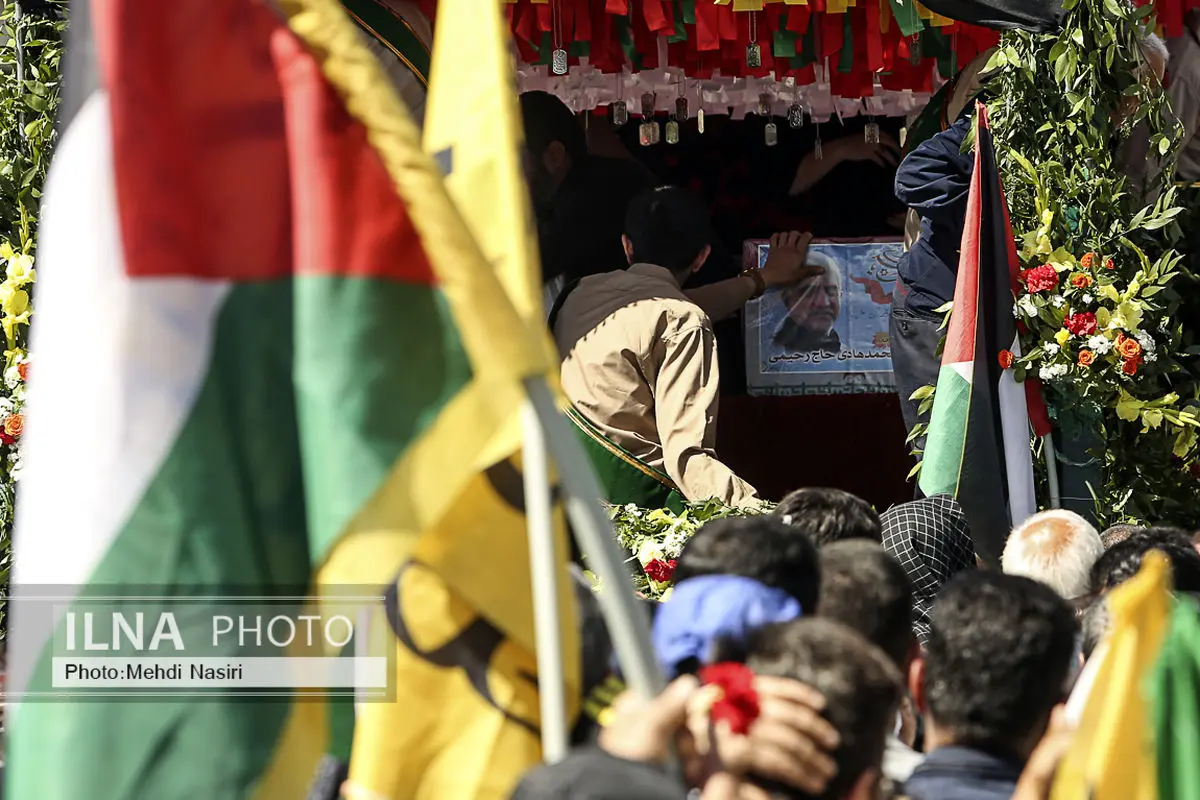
962, 773
934, 180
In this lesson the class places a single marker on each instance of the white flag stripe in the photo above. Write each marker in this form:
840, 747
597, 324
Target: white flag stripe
115, 367
1018, 459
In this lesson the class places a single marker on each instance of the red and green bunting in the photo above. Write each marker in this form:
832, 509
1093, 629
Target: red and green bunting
703, 38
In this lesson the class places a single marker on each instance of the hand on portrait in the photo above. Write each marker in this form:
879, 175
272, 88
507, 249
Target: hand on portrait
785, 260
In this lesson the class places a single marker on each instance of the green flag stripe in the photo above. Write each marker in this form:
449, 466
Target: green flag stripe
945, 445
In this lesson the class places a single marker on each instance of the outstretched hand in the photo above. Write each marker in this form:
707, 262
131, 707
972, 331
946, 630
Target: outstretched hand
785, 261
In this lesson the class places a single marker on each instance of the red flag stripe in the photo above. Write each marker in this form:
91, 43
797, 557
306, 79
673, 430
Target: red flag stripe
216, 150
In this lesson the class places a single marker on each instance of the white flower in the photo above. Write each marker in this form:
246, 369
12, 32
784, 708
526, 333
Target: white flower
649, 551
1050, 372
1151, 357
12, 377
1051, 348
1058, 301
1100, 344
1026, 306
1087, 298
1146, 341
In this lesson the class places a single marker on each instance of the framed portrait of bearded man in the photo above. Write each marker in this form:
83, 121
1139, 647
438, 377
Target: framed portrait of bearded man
826, 334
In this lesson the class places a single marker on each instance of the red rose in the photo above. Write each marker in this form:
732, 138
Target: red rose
738, 704
1130, 367
659, 570
1087, 260
1110, 264
23, 370
1040, 279
1081, 324
1006, 359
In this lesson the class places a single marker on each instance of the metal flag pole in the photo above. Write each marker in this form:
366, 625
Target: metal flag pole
627, 624
545, 565
1052, 470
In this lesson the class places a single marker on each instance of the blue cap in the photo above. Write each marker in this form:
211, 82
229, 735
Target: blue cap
702, 610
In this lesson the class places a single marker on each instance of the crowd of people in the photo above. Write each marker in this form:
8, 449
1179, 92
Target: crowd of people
827, 651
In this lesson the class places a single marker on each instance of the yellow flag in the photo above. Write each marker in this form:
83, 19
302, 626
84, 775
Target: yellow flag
1112, 755
465, 721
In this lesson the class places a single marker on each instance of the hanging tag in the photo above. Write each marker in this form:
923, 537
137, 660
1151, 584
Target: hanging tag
753, 56
765, 102
871, 133
644, 134
795, 115
818, 151
672, 132
655, 133
771, 135
619, 112
700, 120
681, 109
648, 105
558, 62
914, 50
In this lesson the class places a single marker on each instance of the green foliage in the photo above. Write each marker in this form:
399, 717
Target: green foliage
30, 93
1070, 113
649, 534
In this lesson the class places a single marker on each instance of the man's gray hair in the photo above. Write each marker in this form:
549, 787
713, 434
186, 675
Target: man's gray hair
1153, 46
815, 258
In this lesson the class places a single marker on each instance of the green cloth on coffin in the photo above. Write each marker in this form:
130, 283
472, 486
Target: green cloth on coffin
625, 478
387, 27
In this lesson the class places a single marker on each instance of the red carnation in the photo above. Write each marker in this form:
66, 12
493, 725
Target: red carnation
738, 704
1040, 279
1006, 359
1081, 324
659, 570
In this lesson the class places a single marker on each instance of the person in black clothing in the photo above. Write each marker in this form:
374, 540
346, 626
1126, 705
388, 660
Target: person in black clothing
933, 180
580, 199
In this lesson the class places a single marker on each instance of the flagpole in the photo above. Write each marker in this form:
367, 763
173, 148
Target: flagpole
545, 564
1052, 470
627, 623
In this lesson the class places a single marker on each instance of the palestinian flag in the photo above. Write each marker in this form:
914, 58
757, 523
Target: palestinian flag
1039, 16
977, 447
270, 355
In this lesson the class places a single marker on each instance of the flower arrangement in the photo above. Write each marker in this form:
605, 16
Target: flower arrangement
1097, 302
655, 538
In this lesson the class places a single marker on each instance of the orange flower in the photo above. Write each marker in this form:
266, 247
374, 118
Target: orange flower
1128, 348
1006, 359
1088, 260
23, 370
1086, 357
1081, 281
14, 424
1130, 367
1110, 264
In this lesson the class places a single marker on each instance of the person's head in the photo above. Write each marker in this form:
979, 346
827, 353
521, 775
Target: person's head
862, 689
1000, 651
931, 540
1116, 534
1096, 624
829, 515
761, 548
815, 302
1056, 547
554, 141
668, 227
1123, 560
865, 589
1154, 51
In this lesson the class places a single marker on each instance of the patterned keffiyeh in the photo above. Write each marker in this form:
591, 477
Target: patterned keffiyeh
932, 541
